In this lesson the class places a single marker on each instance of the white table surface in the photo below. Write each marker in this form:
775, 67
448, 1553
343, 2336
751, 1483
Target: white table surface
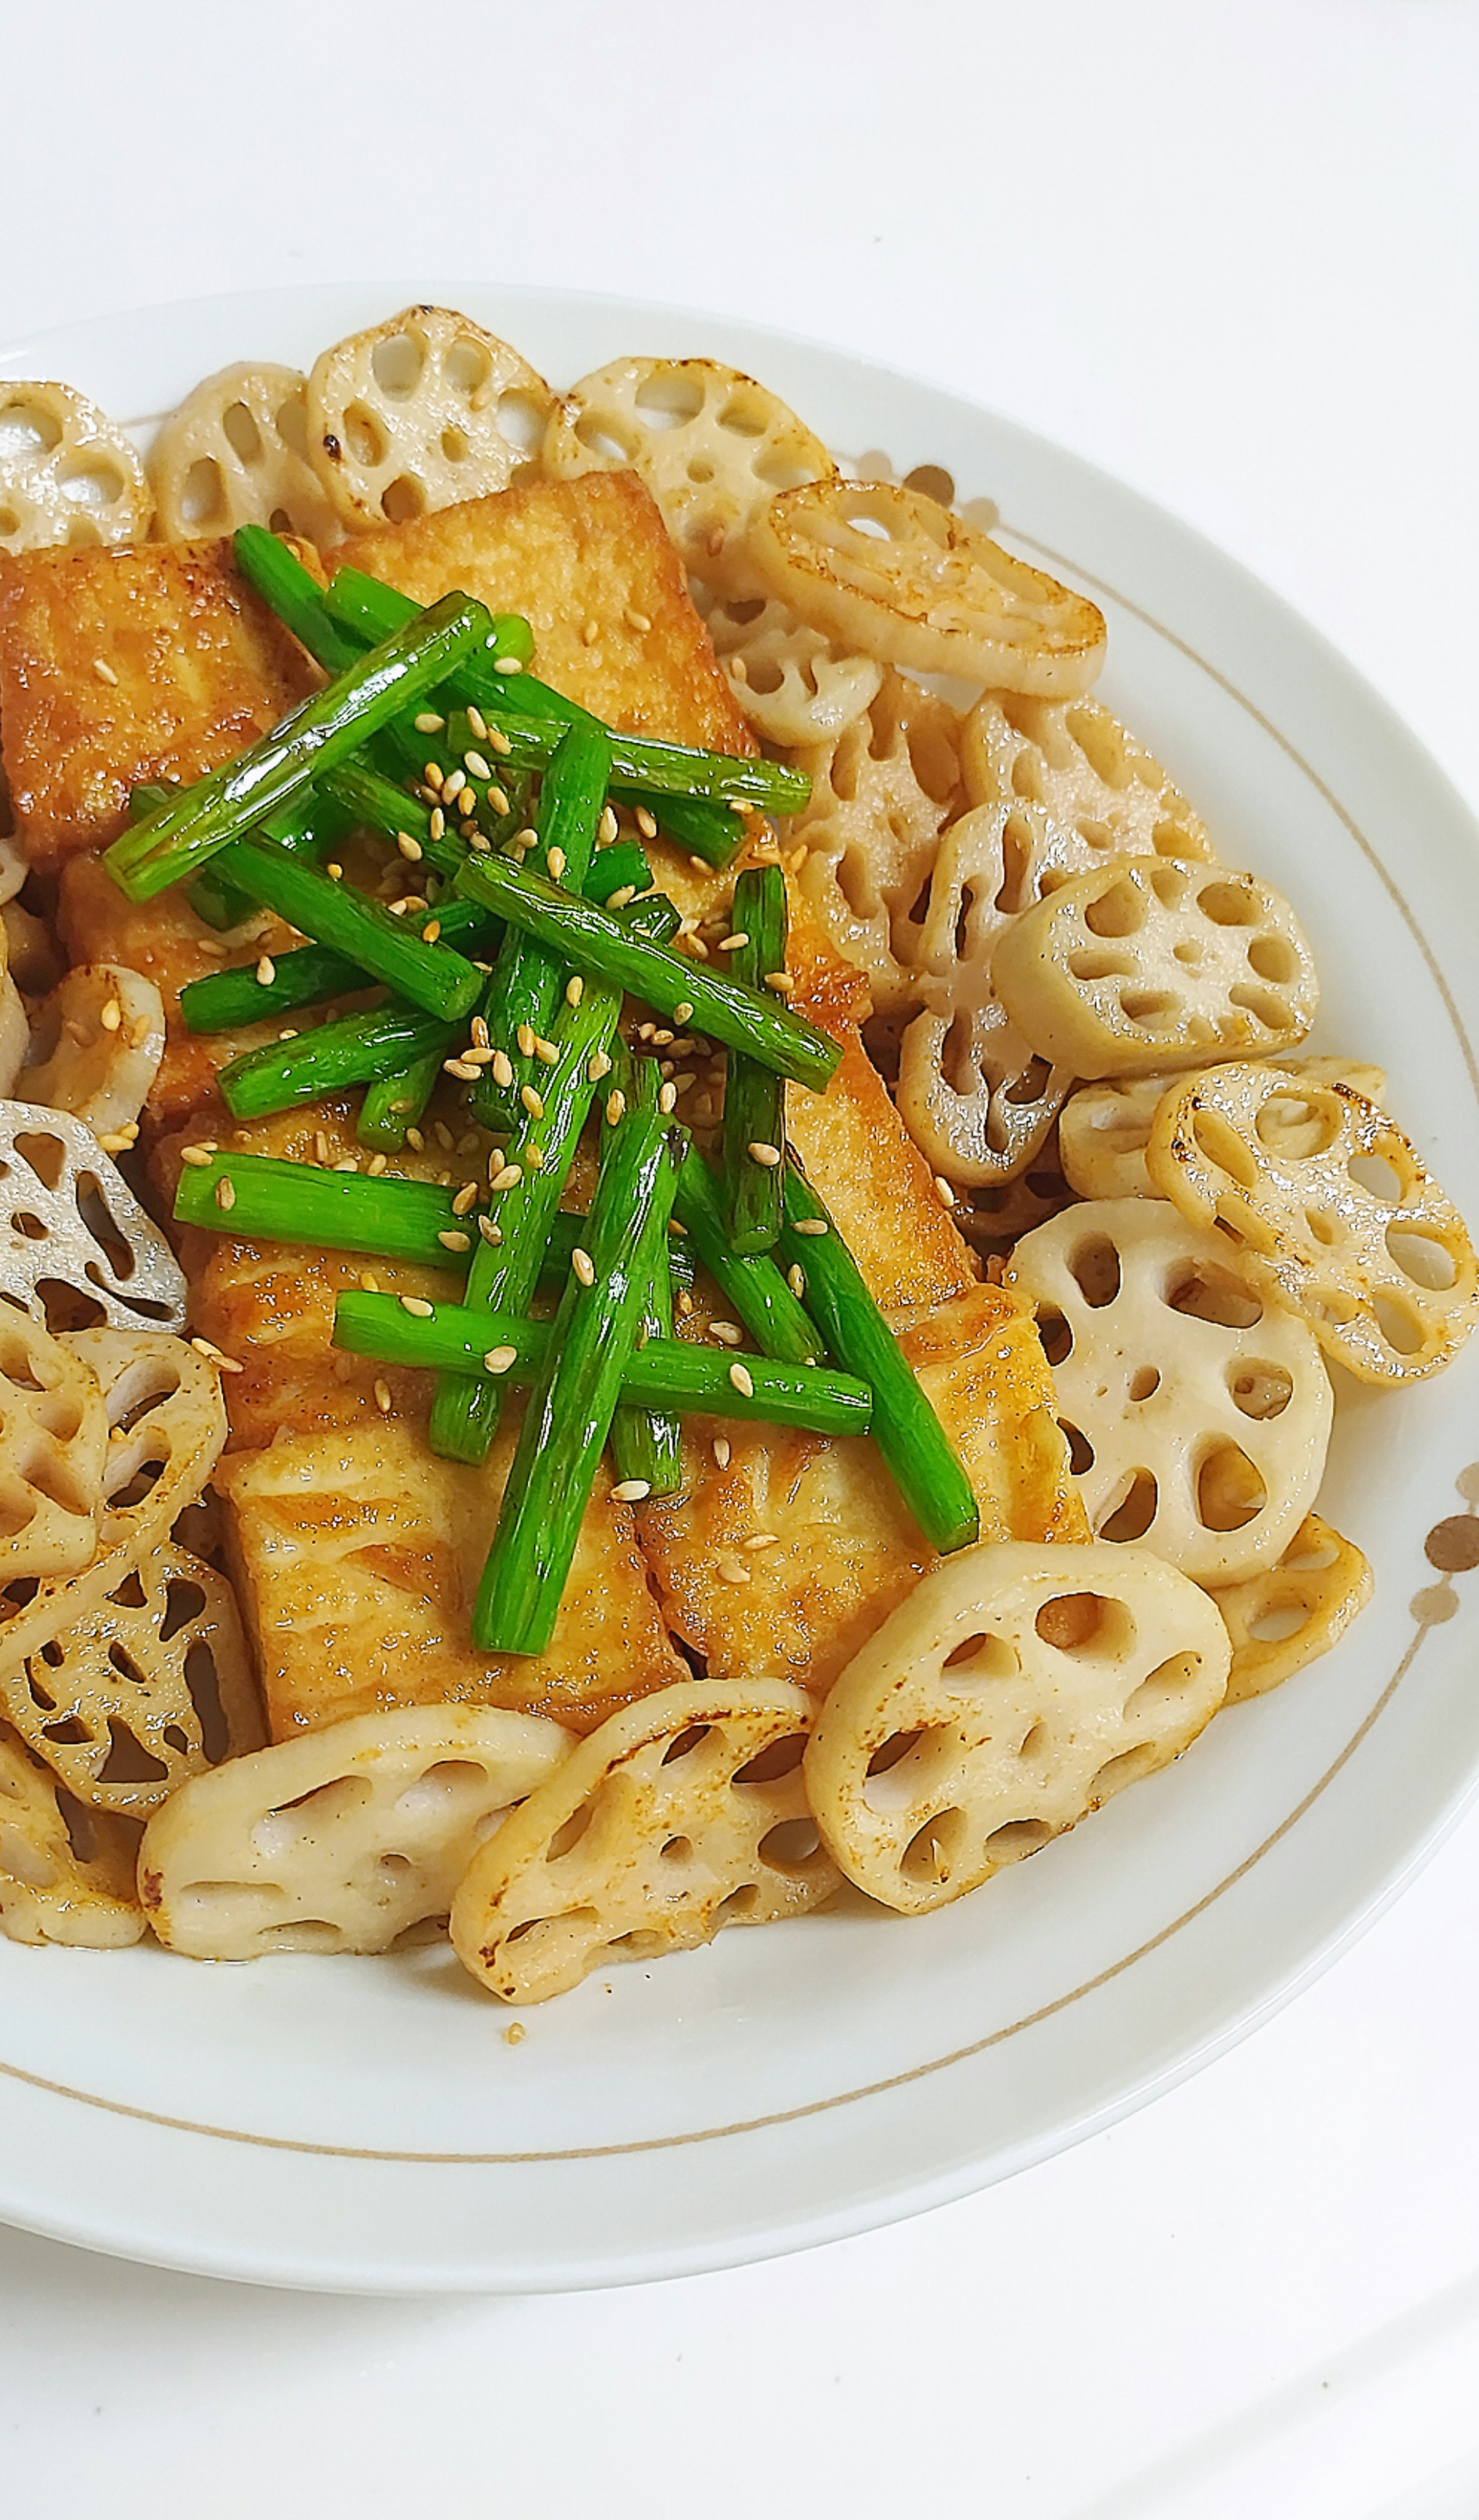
1230, 253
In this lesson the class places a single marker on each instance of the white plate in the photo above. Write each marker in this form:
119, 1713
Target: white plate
363, 2124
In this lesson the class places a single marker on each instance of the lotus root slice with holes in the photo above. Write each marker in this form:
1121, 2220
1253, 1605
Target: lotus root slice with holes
1157, 963
1078, 786
1292, 1613
152, 1686
682, 1814
72, 1228
1104, 1128
1014, 1691
1353, 1233
418, 413
236, 452
96, 1046
711, 445
53, 1454
166, 1424
895, 574
881, 793
1197, 1410
67, 474
58, 1884
344, 1840
793, 683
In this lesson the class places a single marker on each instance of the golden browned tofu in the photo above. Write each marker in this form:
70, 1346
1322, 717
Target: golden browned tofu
357, 1556
165, 941
858, 1154
841, 1550
570, 555
194, 668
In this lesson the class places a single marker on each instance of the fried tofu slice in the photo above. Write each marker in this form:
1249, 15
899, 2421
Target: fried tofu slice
858, 1154
589, 555
356, 1551
165, 941
837, 1550
195, 667
356, 1557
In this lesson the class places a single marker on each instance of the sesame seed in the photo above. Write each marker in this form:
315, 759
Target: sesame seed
638, 621
608, 826
682, 1013
661, 1037
684, 1302
946, 1192
508, 666
498, 1359
795, 1278
722, 1450
438, 826
742, 1381
474, 762
465, 1199
498, 798
398, 909
431, 931
667, 1100
503, 1068
527, 839
409, 846
503, 744
320, 1147
431, 773
645, 1031
647, 823
112, 1015
369, 1280
631, 1491
490, 1232
418, 1307
350, 1164
532, 1101
383, 1397
506, 1176
761, 1152
574, 990
477, 723
429, 723
598, 1065
534, 1159
732, 1570
584, 1266
105, 672
334, 872
481, 842
590, 633
780, 981
545, 1052
476, 1058
377, 1166
414, 1140
462, 1068
809, 1225
731, 944
225, 1192
728, 1333
556, 863
618, 900
525, 1040
452, 784
615, 1105
194, 1155
764, 1540
455, 1241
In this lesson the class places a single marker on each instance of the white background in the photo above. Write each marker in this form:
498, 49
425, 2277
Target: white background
1231, 253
